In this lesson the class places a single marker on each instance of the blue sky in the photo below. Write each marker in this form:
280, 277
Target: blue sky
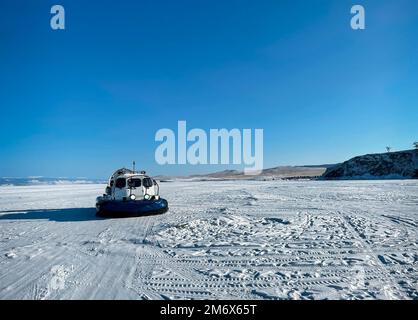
88, 99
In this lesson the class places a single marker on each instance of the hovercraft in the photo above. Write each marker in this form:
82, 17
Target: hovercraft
130, 194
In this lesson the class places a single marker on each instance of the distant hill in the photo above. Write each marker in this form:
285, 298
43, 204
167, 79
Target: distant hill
319, 165
280, 172
390, 165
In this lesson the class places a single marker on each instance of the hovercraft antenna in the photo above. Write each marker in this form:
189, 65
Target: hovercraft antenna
133, 166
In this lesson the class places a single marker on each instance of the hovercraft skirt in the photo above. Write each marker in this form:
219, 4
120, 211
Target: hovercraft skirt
131, 208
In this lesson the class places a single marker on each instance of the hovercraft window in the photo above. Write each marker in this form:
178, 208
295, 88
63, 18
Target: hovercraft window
147, 182
120, 183
134, 183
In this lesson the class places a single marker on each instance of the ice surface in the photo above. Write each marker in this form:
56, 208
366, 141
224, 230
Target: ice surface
220, 239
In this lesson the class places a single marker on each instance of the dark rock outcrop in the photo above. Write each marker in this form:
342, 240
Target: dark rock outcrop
391, 165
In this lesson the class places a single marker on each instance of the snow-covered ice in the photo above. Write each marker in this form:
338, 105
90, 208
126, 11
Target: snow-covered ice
220, 239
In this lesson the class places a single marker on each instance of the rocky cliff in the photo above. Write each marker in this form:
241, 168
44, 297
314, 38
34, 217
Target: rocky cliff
390, 165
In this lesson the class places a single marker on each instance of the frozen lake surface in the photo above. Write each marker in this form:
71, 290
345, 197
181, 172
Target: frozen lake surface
220, 240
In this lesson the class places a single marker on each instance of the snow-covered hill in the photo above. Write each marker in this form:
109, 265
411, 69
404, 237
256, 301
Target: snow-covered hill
391, 165
280, 172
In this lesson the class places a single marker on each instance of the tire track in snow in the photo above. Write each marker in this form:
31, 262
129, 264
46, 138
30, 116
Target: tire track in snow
368, 249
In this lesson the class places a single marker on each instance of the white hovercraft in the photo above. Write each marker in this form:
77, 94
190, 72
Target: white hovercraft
130, 193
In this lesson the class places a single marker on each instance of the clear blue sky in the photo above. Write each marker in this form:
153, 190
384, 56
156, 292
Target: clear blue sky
89, 99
